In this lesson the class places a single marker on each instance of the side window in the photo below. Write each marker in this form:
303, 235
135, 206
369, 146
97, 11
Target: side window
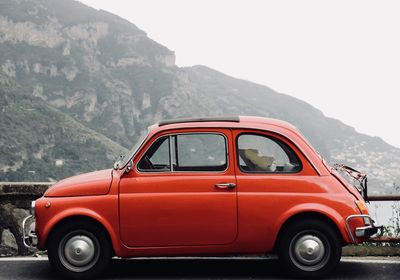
262, 154
186, 152
200, 152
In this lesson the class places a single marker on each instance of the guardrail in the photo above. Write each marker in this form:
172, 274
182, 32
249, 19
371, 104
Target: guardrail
384, 197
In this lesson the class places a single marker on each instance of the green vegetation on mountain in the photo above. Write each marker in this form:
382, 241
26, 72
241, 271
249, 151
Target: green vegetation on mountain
39, 142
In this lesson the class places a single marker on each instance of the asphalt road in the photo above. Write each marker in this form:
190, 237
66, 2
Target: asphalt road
349, 268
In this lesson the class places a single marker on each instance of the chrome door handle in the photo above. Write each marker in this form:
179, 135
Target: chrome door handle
225, 186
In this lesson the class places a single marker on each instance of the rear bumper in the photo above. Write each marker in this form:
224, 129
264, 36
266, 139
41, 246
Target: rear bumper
365, 232
29, 236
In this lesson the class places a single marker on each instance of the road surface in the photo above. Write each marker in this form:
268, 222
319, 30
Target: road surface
203, 268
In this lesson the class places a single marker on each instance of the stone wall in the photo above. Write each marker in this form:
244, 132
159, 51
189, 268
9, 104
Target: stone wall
15, 202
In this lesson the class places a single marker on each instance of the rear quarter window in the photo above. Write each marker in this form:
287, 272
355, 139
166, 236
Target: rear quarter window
264, 154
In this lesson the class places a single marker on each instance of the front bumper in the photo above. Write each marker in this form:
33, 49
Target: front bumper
364, 232
29, 236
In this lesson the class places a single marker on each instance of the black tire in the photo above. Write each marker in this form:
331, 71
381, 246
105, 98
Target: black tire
309, 248
79, 249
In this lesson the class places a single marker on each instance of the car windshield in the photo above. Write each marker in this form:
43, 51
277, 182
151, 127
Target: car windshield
127, 157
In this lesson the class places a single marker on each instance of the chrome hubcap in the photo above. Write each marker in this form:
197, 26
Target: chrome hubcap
309, 252
79, 251
309, 249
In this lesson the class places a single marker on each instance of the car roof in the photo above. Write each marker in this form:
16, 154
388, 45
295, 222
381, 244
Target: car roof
226, 122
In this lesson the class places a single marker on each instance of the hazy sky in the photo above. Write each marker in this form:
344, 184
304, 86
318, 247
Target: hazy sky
342, 57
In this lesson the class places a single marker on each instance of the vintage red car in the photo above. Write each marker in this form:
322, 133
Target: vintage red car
204, 187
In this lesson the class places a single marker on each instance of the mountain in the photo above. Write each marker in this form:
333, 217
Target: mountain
82, 84
40, 142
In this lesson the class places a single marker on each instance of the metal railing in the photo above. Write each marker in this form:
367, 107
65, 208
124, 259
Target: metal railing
384, 197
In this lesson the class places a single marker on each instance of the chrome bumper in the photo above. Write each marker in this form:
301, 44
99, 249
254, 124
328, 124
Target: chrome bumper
29, 237
366, 231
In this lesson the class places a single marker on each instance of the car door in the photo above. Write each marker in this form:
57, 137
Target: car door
181, 191
272, 177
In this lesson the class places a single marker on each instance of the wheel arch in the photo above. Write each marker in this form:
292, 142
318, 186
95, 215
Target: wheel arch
89, 217
310, 214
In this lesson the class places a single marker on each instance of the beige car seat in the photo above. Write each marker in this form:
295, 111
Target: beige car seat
261, 162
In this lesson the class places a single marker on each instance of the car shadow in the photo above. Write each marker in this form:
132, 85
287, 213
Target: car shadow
199, 269
220, 269
195, 268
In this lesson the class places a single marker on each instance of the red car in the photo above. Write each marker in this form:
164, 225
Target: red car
211, 186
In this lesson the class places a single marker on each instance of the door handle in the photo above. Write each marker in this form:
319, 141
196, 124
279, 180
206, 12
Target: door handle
225, 185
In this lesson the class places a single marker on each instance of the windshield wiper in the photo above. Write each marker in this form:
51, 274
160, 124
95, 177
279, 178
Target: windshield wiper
361, 178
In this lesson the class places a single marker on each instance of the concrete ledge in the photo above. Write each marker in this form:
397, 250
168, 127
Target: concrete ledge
23, 188
370, 250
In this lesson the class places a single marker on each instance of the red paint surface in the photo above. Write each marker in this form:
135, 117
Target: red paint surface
161, 214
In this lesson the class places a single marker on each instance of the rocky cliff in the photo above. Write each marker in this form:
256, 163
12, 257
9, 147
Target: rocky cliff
15, 204
79, 85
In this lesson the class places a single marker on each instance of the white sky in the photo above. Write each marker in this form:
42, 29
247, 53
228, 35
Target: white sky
342, 57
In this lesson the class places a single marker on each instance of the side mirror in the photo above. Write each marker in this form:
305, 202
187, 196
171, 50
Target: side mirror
129, 166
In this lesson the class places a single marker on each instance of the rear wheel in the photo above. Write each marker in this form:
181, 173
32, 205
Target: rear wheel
79, 250
309, 248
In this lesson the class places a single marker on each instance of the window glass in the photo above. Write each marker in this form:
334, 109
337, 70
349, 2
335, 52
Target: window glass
156, 157
200, 152
187, 152
124, 161
266, 155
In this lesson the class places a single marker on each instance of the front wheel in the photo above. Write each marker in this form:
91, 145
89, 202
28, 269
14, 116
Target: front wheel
79, 250
309, 248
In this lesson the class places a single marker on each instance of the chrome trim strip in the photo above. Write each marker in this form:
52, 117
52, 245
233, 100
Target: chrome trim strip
171, 167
